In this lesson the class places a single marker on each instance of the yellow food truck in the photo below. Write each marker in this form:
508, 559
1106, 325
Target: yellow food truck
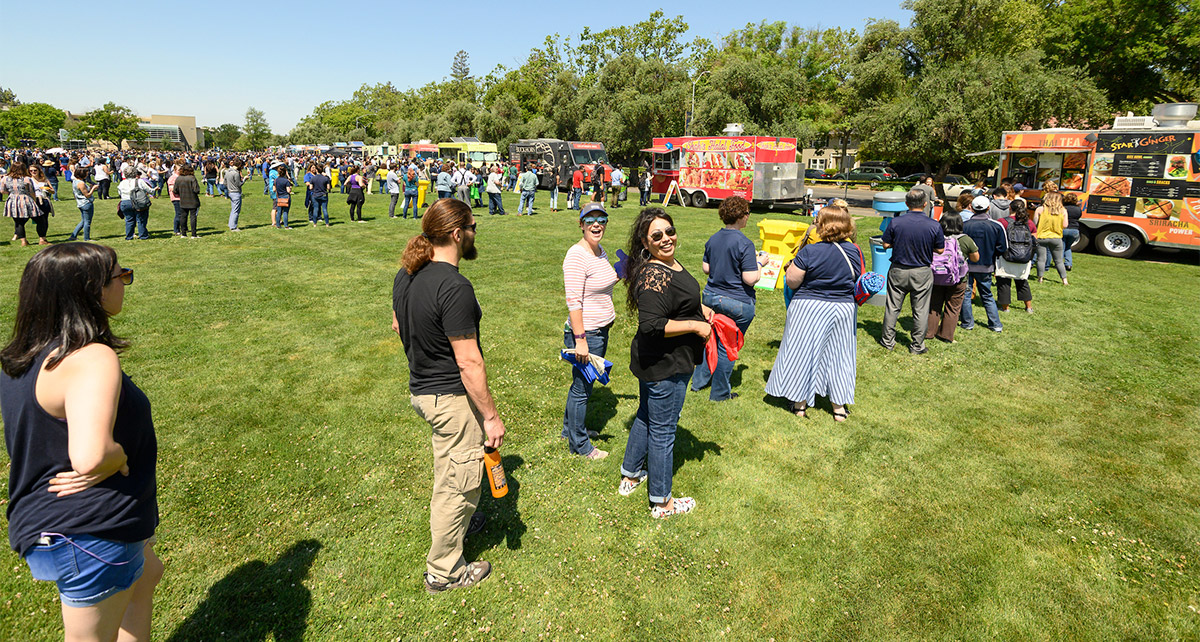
468, 149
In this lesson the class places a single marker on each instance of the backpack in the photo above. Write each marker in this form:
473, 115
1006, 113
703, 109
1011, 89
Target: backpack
1020, 242
139, 196
949, 267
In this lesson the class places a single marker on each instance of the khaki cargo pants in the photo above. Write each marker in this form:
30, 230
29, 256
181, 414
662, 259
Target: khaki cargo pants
458, 439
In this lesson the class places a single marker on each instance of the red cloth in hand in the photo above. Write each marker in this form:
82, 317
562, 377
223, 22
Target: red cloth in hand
731, 339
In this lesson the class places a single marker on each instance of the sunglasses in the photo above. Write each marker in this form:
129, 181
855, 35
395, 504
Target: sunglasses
657, 235
126, 276
471, 227
592, 220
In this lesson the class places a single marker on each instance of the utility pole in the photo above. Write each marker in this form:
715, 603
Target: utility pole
688, 129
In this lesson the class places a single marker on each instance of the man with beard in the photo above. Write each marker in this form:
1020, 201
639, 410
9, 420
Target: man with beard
436, 314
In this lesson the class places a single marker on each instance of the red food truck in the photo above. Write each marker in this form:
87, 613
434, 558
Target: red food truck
761, 169
1139, 182
562, 157
423, 150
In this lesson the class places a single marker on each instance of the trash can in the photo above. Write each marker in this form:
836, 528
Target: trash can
881, 258
781, 237
422, 190
887, 204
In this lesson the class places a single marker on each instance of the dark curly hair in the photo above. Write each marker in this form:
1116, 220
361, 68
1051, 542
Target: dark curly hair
638, 253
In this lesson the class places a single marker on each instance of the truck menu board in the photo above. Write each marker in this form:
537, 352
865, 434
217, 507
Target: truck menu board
1150, 175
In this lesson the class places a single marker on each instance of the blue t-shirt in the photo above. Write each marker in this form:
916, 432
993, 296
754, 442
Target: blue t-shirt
914, 237
320, 185
827, 277
728, 254
281, 186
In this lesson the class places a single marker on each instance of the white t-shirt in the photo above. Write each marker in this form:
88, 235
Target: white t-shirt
493, 183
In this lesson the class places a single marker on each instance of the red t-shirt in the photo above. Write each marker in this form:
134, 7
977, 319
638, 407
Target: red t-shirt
577, 179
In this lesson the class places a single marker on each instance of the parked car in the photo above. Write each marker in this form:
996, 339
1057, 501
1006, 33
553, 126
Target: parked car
872, 174
952, 184
815, 173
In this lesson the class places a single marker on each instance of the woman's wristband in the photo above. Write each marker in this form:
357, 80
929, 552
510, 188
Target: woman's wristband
579, 337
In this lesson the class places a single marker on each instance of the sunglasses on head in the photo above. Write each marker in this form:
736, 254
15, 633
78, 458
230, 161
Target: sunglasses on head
592, 220
657, 235
126, 276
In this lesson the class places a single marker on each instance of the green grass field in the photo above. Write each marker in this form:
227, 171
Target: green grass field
1040, 484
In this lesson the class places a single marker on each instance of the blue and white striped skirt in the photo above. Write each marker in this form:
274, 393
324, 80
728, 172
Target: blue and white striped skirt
818, 353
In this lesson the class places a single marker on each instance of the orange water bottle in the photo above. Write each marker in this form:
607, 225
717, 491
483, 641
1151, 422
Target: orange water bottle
495, 472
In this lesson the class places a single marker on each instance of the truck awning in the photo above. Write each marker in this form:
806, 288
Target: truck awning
658, 150
1016, 150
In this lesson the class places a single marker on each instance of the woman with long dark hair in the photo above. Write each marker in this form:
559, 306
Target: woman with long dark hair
1007, 273
187, 189
22, 202
668, 345
82, 497
357, 197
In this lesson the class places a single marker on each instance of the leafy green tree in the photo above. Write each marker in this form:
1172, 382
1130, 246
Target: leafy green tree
258, 132
8, 98
311, 131
224, 136
31, 121
111, 123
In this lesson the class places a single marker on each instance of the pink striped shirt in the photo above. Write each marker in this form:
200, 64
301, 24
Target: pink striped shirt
589, 281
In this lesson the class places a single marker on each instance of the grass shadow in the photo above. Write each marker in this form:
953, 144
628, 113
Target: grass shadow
504, 522
688, 448
257, 601
602, 407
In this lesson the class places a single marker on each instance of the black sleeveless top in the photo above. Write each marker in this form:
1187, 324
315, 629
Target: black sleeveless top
119, 508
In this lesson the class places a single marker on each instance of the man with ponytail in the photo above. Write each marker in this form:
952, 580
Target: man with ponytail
436, 314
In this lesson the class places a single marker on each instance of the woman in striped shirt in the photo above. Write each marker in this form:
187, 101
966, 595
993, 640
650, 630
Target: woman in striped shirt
817, 355
589, 281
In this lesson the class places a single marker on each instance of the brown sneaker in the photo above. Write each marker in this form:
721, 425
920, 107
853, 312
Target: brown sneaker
475, 573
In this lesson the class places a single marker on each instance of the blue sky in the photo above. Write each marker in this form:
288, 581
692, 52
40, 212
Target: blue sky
214, 59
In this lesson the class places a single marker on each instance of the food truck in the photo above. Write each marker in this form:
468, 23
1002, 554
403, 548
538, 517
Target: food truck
761, 169
1139, 182
422, 149
562, 156
468, 149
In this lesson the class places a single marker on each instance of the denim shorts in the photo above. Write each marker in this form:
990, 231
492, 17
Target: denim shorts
87, 569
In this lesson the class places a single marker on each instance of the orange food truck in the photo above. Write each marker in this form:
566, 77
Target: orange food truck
761, 169
1139, 182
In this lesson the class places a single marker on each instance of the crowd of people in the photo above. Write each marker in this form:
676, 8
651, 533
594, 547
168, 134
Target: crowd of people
31, 182
81, 439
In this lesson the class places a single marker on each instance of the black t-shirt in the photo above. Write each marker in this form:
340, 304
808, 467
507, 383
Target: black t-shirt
320, 185
281, 186
1074, 213
431, 306
665, 295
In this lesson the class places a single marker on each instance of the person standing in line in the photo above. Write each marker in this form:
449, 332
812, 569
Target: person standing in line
494, 191
22, 202
82, 497
462, 190
576, 188
945, 303
84, 201
50, 170
436, 314
103, 175
553, 187
357, 197
915, 238
210, 179
393, 188
320, 194
133, 215
187, 188
589, 279
411, 186
925, 185
265, 166
1071, 231
989, 237
445, 181
1006, 271
644, 189
233, 182
283, 191
180, 223
618, 183
668, 344
819, 350
1051, 220
732, 266
527, 183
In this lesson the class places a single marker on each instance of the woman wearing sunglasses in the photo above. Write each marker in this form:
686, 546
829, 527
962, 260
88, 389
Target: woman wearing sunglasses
82, 496
589, 279
668, 345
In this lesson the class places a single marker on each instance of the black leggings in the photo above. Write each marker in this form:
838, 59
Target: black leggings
104, 183
40, 223
186, 215
356, 206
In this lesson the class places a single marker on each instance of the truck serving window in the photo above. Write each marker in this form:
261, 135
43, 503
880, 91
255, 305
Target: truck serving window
586, 156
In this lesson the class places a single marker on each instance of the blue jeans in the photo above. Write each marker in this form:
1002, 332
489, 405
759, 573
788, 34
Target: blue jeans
581, 390
651, 446
576, 193
443, 194
554, 197
235, 209
495, 203
85, 222
410, 199
1069, 238
54, 183
132, 217
984, 281
283, 214
742, 314
266, 186
321, 206
526, 203
210, 186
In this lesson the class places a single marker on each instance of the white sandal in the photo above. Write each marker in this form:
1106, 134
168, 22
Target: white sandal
679, 506
627, 487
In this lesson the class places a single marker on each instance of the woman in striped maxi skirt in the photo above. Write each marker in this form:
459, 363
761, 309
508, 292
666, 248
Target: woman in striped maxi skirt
817, 355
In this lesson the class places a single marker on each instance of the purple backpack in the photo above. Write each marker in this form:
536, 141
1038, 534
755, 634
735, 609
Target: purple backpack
949, 267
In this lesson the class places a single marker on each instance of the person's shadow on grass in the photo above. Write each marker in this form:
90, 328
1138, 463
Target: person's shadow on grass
504, 522
602, 407
688, 448
257, 601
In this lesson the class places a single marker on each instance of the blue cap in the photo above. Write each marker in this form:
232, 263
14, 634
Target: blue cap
592, 207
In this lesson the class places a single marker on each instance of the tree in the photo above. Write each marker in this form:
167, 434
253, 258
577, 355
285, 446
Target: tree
258, 132
111, 123
460, 69
32, 121
224, 136
8, 98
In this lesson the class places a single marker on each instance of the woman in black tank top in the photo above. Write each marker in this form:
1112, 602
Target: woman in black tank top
83, 502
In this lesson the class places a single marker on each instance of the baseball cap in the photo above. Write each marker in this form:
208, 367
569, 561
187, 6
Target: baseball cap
592, 208
980, 204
